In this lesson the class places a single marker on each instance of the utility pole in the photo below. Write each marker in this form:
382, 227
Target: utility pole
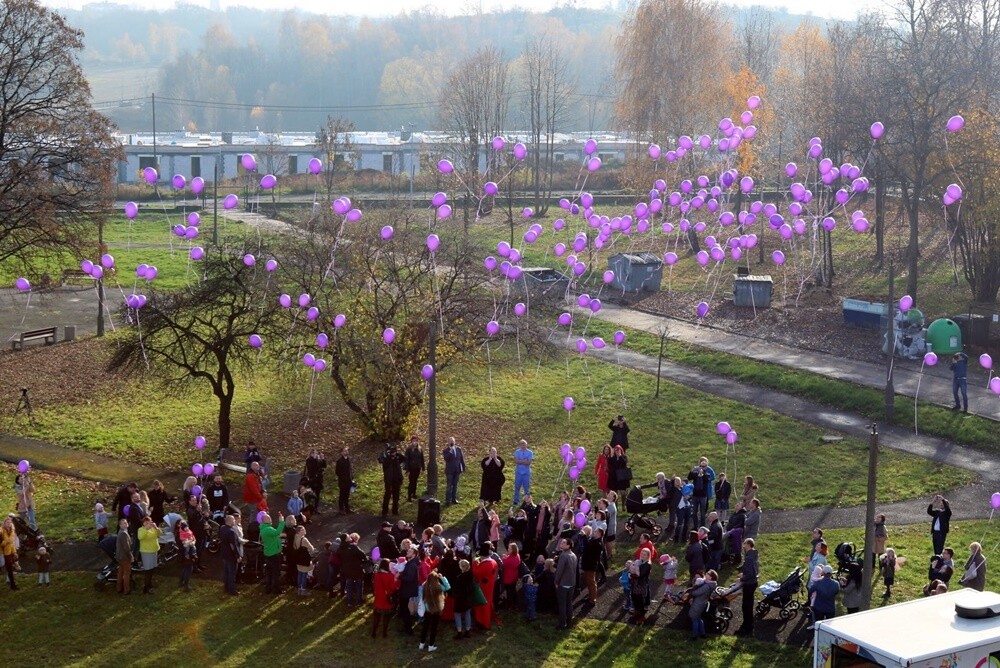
432, 464
868, 570
890, 337
100, 281
156, 160
215, 203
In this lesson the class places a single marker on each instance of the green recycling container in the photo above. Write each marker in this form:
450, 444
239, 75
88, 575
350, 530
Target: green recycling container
944, 337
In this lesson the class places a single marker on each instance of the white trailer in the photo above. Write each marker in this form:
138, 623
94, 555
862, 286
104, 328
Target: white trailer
960, 629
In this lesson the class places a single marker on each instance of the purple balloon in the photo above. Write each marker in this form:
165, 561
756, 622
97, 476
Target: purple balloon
249, 260
304, 300
930, 359
520, 309
230, 202
199, 442
197, 490
609, 276
22, 284
732, 437
702, 310
197, 469
315, 166
444, 211
723, 428
179, 182
565, 319
493, 328
574, 473
197, 185
149, 175
581, 346
654, 151
260, 517
427, 372
490, 263
131, 210
194, 219
438, 199
955, 123
268, 181
312, 313
107, 261
23, 466
353, 216
433, 242
619, 337
568, 404
249, 162
309, 359
322, 340
877, 130
778, 257
598, 343
445, 166
209, 468
285, 301
319, 366
271, 265
579, 519
256, 341
520, 151
340, 320
595, 305
905, 303
498, 143
389, 335
191, 233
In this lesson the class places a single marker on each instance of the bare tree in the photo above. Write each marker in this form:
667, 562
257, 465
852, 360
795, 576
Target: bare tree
548, 92
334, 143
474, 108
57, 155
201, 334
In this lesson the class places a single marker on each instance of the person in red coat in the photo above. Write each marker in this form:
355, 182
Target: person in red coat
601, 469
646, 542
254, 495
385, 584
484, 571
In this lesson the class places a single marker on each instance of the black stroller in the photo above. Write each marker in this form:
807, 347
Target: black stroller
251, 569
785, 596
29, 539
846, 558
635, 504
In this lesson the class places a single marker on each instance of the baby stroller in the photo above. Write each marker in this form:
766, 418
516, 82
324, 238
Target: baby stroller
639, 506
718, 614
846, 558
783, 596
29, 539
252, 567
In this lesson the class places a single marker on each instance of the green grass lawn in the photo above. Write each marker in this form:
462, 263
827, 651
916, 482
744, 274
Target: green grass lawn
937, 420
206, 628
64, 506
669, 434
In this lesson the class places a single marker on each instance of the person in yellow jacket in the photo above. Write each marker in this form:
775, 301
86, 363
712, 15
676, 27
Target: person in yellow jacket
149, 547
8, 546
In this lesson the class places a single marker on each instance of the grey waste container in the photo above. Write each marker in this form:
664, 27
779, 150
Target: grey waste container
69, 333
292, 481
752, 291
636, 271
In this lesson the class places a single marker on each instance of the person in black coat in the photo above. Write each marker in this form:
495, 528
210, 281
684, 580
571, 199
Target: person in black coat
490, 490
940, 512
619, 432
480, 533
158, 498
618, 472
352, 565
123, 498
387, 547
345, 478
392, 477
315, 464
415, 463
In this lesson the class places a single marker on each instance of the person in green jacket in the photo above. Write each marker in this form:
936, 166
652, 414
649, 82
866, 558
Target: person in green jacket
270, 538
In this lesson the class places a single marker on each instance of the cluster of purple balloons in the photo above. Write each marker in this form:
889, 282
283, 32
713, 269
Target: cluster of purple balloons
97, 270
576, 460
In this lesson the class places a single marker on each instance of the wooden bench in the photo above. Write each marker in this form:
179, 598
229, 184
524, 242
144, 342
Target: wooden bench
48, 334
232, 460
69, 275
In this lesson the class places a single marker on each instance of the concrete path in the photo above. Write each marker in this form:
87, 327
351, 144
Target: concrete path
934, 388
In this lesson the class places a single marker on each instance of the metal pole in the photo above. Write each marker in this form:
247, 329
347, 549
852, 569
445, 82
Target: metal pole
868, 571
156, 160
432, 465
215, 203
890, 337
100, 281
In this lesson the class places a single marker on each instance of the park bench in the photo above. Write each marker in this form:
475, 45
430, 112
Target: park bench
47, 333
69, 275
232, 460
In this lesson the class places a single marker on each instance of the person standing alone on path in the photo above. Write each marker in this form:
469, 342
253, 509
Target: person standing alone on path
959, 381
315, 463
345, 478
940, 512
619, 432
414, 465
392, 478
523, 457
454, 466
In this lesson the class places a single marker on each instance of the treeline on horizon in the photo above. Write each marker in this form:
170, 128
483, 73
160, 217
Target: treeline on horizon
245, 69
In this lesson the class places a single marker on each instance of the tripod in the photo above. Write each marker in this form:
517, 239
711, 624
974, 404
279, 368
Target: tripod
23, 404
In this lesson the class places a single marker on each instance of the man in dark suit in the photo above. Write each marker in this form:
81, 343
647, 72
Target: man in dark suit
230, 553
940, 512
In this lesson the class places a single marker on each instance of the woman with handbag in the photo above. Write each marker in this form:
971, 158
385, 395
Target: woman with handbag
302, 550
433, 597
384, 585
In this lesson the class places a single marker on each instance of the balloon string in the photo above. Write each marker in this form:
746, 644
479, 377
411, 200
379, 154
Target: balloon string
312, 384
916, 394
992, 510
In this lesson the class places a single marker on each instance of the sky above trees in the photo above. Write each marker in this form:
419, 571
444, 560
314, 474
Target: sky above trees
842, 10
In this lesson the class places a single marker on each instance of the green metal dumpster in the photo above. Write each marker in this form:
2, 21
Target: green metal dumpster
944, 337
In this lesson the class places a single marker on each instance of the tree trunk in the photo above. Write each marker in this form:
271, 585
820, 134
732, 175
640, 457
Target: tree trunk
225, 418
913, 249
879, 214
